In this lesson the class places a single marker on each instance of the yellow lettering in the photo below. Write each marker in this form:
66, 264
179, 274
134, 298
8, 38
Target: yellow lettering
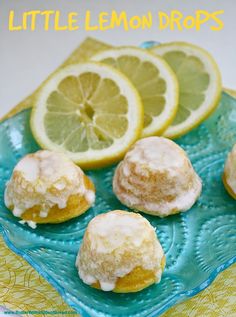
58, 27
217, 20
24, 21
89, 27
103, 20
189, 22
11, 22
202, 17
117, 20
135, 22
176, 16
47, 15
164, 20
147, 21
33, 15
72, 20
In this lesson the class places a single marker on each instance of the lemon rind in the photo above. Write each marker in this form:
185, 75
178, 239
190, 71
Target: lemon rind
175, 131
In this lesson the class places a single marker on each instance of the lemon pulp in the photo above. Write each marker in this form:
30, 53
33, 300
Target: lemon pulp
153, 79
89, 111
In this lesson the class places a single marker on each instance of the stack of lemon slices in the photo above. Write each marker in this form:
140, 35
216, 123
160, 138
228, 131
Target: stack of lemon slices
95, 111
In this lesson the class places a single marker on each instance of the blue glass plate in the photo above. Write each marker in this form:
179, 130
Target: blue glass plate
198, 244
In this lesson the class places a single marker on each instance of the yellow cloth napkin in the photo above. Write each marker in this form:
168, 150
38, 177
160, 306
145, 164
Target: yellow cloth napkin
23, 289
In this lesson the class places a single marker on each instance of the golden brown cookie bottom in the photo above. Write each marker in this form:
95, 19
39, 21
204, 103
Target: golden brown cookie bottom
227, 187
135, 281
76, 205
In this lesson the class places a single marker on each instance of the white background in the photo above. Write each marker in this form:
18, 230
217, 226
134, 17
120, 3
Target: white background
26, 58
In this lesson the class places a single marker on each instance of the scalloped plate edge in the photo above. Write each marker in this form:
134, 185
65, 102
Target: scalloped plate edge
86, 311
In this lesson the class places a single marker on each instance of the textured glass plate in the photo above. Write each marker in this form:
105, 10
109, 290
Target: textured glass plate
198, 244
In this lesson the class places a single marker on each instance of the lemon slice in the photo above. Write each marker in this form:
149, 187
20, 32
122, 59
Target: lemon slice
89, 111
199, 84
154, 80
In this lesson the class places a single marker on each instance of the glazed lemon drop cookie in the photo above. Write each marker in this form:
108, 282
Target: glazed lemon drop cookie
229, 176
157, 177
47, 187
120, 252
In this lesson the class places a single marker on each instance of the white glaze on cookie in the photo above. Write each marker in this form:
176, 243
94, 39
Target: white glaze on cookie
230, 170
46, 179
156, 177
114, 244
